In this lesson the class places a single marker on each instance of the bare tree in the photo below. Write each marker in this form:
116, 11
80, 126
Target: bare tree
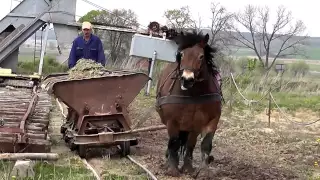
221, 23
196, 24
285, 38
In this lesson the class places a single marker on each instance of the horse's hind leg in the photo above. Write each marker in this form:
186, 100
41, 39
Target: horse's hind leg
173, 148
191, 143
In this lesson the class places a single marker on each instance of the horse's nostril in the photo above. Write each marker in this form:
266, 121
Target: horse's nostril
188, 82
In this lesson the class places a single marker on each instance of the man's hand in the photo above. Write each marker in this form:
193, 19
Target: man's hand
72, 55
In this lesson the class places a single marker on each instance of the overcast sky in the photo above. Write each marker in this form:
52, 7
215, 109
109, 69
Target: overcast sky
306, 10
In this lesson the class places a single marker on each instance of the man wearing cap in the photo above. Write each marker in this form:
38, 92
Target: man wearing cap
87, 46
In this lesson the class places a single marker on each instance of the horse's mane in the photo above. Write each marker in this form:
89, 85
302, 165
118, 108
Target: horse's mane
189, 39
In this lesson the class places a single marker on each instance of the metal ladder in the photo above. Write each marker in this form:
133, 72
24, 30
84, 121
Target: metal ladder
38, 45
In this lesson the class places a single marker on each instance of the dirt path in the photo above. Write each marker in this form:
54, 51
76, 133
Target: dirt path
243, 149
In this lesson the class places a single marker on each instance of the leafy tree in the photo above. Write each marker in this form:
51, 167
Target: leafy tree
90, 16
179, 18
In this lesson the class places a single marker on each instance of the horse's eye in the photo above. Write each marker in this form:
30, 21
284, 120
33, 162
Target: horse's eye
201, 57
181, 55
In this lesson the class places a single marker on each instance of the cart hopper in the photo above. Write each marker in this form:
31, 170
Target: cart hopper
96, 105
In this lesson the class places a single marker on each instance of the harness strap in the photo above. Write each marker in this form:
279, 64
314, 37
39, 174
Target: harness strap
165, 80
176, 99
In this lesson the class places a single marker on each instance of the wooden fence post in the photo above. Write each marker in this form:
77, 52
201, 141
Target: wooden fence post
269, 112
231, 94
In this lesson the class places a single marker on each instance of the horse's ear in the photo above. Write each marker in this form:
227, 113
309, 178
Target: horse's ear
178, 37
178, 57
206, 38
204, 41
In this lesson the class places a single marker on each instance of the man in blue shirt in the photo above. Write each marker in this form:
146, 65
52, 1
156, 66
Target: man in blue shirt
87, 46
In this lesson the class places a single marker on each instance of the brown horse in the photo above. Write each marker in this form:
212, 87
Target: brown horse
189, 101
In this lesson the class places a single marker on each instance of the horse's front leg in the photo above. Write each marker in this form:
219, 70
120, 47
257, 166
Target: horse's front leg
173, 148
191, 143
206, 144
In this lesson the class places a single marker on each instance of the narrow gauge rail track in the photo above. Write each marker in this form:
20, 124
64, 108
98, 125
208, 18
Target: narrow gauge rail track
97, 176
98, 118
134, 161
91, 167
24, 117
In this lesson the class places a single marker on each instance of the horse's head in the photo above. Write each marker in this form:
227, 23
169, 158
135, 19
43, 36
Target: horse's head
192, 55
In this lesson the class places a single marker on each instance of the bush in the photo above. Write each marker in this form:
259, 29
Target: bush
50, 65
226, 64
246, 64
242, 64
299, 68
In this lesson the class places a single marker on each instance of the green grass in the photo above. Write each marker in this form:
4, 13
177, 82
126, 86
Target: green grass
23, 58
294, 97
50, 65
50, 171
290, 101
315, 67
127, 171
311, 53
5, 168
27, 53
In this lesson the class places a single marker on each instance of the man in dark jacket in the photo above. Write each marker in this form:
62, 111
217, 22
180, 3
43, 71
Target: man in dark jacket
87, 46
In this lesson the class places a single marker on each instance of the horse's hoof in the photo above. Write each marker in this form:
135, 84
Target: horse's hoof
174, 172
187, 168
209, 159
164, 165
167, 154
196, 174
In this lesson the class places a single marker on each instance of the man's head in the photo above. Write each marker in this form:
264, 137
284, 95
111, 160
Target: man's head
86, 29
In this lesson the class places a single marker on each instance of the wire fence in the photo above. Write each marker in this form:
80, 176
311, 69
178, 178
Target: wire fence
271, 99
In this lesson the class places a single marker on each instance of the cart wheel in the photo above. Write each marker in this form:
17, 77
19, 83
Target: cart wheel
134, 142
82, 151
125, 148
65, 138
63, 129
71, 145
